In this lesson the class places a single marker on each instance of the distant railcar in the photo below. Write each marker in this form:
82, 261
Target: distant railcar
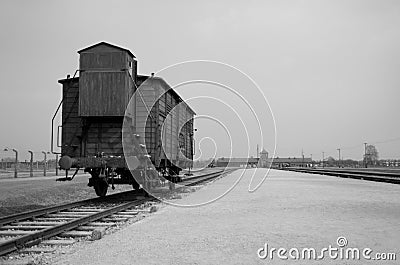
93, 114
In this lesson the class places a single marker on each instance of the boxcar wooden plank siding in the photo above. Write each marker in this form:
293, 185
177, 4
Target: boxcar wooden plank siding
96, 138
172, 118
103, 137
145, 97
174, 135
71, 122
102, 60
103, 94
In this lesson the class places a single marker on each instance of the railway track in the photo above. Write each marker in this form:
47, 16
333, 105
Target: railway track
195, 180
378, 176
87, 218
78, 219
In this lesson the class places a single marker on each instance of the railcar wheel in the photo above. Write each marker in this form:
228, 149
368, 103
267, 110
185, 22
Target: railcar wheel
135, 185
100, 187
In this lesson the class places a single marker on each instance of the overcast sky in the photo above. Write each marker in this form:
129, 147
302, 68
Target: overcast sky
329, 69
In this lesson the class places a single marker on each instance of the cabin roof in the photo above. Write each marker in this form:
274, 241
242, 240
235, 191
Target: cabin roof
109, 45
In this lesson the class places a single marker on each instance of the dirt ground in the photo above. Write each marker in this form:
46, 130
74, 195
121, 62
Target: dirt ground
9, 173
23, 194
290, 210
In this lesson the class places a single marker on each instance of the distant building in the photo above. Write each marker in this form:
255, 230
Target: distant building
278, 162
264, 161
290, 162
237, 162
389, 162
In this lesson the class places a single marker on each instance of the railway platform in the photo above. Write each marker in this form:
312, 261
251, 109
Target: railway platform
290, 210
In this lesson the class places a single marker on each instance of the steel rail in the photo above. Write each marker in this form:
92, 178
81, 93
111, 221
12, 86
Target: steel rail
205, 177
357, 171
201, 176
57, 208
36, 237
368, 175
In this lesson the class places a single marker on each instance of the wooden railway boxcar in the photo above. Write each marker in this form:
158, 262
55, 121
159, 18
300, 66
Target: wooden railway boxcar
95, 106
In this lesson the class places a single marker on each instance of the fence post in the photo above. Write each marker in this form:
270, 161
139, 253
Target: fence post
16, 164
56, 164
44, 163
31, 164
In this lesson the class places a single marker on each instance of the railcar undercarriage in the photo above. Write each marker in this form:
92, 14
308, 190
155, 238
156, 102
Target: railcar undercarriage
107, 171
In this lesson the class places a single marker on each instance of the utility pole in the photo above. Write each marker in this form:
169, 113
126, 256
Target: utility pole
302, 155
323, 159
311, 161
365, 155
339, 157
